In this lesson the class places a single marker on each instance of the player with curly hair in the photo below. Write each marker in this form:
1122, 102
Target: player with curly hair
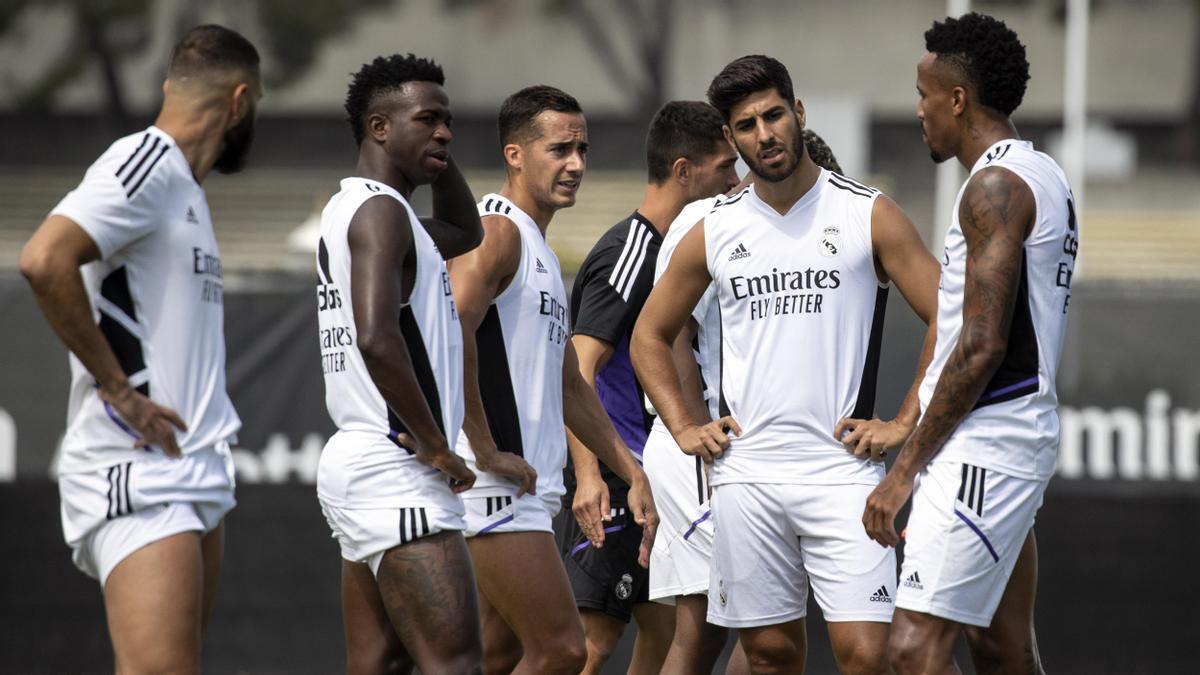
391, 352
978, 462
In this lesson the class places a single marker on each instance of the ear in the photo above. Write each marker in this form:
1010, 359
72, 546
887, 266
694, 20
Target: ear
377, 126
682, 170
166, 87
958, 100
800, 114
728, 135
241, 102
514, 156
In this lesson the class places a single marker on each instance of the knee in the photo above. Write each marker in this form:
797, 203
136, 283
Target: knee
992, 654
501, 661
774, 656
162, 662
862, 656
908, 654
362, 662
566, 655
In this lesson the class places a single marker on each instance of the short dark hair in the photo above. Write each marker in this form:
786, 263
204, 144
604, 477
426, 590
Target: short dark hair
385, 75
746, 76
518, 111
208, 48
987, 53
681, 129
820, 152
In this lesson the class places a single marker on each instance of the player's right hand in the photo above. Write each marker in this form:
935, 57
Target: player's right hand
154, 424
443, 459
591, 508
707, 441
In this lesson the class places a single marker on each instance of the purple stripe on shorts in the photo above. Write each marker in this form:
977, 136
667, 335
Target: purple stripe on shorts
588, 542
979, 532
498, 523
1010, 388
695, 523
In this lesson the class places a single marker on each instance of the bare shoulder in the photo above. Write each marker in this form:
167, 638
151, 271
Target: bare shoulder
997, 199
380, 223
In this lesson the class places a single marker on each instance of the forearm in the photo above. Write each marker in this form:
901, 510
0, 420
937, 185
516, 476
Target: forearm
583, 462
60, 295
656, 369
691, 384
962, 382
387, 362
475, 424
455, 212
591, 426
910, 408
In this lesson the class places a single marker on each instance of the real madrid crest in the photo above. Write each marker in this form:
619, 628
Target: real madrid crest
721, 592
831, 241
624, 587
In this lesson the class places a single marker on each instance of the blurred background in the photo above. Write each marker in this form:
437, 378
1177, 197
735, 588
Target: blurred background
1114, 95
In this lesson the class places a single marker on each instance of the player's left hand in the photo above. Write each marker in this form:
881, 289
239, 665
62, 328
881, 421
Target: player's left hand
884, 502
641, 505
871, 439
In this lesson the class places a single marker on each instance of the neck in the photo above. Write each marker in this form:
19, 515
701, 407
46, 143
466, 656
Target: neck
782, 195
981, 134
516, 193
197, 130
373, 163
661, 204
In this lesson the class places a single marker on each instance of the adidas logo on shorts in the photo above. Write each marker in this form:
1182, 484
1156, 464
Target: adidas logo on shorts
914, 581
881, 595
739, 253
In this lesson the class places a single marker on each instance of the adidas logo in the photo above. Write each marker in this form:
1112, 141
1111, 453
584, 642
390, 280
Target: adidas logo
540, 267
881, 595
191, 216
914, 581
739, 253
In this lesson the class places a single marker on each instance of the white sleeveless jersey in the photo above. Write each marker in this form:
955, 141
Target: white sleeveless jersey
707, 346
520, 347
156, 294
1013, 428
801, 324
367, 427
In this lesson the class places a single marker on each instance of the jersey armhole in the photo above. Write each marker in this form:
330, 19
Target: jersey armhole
520, 260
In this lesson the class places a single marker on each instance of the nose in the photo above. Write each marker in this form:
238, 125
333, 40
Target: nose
576, 162
443, 134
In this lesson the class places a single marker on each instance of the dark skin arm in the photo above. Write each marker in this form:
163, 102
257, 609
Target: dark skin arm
997, 213
455, 226
382, 268
666, 312
476, 279
587, 420
900, 256
50, 262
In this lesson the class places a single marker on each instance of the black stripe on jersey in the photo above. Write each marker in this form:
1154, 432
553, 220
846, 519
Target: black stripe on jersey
722, 405
847, 188
971, 490
851, 182
1018, 372
496, 385
125, 176
488, 205
420, 363
323, 262
982, 481
700, 491
146, 173
125, 345
864, 406
998, 154
962, 486
145, 137
732, 200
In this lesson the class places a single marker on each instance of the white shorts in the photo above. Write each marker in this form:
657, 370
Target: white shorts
496, 515
964, 534
366, 534
773, 539
110, 513
680, 559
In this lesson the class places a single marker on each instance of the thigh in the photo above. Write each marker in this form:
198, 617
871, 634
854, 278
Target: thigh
853, 577
780, 648
1010, 639
212, 550
153, 601
508, 566
428, 589
757, 576
372, 645
502, 650
965, 534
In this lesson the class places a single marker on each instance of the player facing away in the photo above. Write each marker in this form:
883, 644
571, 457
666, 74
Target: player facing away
127, 273
522, 386
801, 260
680, 559
687, 158
978, 463
391, 350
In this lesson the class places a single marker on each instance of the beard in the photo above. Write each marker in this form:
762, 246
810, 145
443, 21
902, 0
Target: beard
235, 146
781, 173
